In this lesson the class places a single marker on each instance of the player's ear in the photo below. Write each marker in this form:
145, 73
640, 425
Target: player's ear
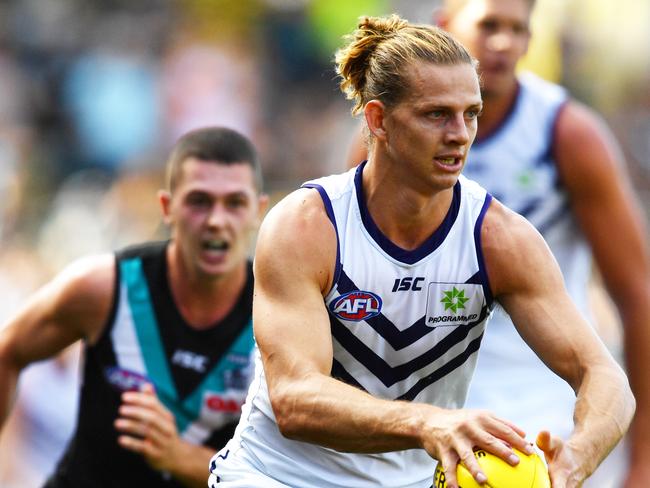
165, 199
262, 205
375, 112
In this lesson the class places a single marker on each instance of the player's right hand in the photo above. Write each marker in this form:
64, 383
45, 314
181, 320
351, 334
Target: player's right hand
561, 460
450, 436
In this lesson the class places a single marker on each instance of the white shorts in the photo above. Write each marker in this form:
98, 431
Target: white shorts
229, 468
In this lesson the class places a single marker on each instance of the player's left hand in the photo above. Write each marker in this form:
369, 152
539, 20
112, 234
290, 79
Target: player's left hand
148, 428
562, 461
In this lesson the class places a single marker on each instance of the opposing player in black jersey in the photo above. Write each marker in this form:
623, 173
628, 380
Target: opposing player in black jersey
166, 326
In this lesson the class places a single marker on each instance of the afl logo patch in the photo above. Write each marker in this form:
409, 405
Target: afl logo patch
356, 306
125, 380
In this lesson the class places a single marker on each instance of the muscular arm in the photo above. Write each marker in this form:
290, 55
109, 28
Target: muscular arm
72, 306
526, 280
602, 198
294, 264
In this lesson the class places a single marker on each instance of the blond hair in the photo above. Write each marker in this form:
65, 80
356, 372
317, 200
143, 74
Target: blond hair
372, 65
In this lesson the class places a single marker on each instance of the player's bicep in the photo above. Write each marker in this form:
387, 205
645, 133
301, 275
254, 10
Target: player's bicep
294, 263
528, 283
72, 306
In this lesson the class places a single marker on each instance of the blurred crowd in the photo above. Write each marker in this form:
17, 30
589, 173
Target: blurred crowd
93, 95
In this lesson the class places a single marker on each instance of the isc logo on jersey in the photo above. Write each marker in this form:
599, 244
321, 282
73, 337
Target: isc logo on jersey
356, 305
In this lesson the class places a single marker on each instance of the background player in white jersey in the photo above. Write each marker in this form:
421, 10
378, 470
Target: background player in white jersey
553, 161
166, 327
331, 320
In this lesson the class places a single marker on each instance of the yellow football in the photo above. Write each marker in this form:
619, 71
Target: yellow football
531, 472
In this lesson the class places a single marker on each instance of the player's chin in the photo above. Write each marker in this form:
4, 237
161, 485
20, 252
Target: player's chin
214, 267
446, 180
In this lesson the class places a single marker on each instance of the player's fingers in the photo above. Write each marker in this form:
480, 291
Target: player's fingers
148, 400
148, 389
512, 426
469, 461
548, 444
449, 463
133, 444
147, 416
503, 437
497, 447
140, 398
132, 427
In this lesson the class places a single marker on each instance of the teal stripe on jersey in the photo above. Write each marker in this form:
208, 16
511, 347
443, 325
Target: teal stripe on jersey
146, 328
242, 347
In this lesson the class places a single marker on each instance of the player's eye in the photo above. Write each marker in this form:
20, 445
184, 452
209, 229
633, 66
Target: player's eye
437, 114
473, 113
198, 200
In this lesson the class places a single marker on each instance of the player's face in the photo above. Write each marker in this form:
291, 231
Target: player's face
496, 32
429, 133
213, 212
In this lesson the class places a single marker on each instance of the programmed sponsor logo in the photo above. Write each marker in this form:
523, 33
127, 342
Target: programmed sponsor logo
356, 306
451, 319
125, 380
453, 300
451, 305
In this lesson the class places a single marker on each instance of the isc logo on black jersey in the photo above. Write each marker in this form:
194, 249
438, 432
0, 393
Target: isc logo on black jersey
356, 305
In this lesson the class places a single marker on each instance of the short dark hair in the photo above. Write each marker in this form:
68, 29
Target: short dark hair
213, 144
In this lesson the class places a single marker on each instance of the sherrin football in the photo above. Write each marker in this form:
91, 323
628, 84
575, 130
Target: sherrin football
531, 472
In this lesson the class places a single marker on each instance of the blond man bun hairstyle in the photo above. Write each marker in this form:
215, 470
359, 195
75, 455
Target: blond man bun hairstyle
372, 64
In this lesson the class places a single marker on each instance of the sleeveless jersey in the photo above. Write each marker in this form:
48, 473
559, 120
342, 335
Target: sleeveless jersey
405, 326
201, 376
516, 164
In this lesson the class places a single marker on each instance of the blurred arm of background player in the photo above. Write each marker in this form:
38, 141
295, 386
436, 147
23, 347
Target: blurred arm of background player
75, 305
592, 169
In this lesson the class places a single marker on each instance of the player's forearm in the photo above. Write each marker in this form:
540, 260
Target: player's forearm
191, 465
636, 321
604, 409
328, 412
8, 381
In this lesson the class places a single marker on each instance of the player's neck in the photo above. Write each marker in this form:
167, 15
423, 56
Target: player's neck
203, 302
405, 216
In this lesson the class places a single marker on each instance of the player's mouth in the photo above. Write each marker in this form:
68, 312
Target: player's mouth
215, 248
451, 163
215, 245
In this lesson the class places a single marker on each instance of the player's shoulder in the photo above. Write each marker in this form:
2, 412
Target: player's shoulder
81, 295
511, 246
88, 276
153, 249
297, 234
588, 156
579, 124
504, 227
300, 213
538, 87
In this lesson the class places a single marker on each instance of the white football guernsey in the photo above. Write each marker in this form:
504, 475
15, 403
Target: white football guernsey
516, 165
405, 325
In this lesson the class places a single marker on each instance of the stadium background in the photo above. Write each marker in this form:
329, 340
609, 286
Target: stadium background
93, 94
